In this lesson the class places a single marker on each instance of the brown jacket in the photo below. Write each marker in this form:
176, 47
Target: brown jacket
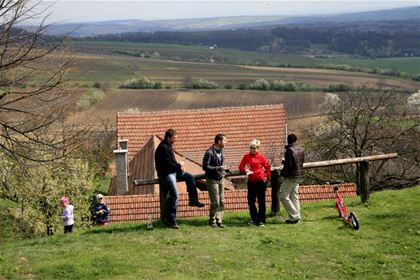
294, 158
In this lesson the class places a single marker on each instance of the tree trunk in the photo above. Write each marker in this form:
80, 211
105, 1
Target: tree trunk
275, 187
364, 181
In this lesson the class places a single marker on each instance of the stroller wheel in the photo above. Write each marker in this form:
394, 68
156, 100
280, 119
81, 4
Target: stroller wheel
354, 221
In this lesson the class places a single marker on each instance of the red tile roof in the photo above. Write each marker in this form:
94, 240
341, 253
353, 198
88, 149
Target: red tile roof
137, 208
196, 130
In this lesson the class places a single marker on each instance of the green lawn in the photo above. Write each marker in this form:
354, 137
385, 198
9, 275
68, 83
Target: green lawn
386, 247
410, 65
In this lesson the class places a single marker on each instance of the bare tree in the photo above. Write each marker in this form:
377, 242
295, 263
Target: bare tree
32, 70
367, 122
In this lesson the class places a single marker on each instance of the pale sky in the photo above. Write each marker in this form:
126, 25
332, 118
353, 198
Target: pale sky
66, 11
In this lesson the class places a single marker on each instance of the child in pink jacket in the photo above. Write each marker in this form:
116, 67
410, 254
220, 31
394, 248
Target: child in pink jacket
67, 214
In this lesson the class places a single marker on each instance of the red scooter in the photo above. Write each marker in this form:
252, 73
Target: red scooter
351, 218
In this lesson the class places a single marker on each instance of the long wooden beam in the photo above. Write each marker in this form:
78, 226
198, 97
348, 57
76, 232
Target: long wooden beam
307, 165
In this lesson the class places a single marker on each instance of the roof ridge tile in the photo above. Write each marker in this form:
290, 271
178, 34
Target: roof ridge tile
213, 109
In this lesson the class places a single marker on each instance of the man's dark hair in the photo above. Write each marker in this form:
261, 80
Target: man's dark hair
169, 133
291, 138
218, 138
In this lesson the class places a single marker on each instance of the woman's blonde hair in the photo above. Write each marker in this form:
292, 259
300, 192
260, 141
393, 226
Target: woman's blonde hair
255, 143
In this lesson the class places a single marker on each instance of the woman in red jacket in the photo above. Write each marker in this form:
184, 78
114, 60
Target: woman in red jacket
256, 166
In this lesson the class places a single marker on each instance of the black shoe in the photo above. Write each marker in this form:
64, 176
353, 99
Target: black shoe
261, 224
212, 224
220, 225
292, 222
196, 204
171, 225
174, 226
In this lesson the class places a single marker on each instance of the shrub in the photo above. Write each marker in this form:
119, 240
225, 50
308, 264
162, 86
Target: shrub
158, 85
202, 84
92, 96
306, 87
228, 86
290, 87
278, 85
141, 83
416, 77
243, 86
260, 84
413, 103
338, 88
101, 85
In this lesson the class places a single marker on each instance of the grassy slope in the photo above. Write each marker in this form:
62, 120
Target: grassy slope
114, 70
410, 65
11, 228
386, 247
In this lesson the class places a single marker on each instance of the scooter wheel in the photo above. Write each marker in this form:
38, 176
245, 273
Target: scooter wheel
354, 221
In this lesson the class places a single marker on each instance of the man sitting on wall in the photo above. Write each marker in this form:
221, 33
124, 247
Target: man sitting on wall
168, 171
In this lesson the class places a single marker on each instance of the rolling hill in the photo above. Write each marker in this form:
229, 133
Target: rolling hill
84, 29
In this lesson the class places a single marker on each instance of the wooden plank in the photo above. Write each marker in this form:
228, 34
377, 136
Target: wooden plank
308, 165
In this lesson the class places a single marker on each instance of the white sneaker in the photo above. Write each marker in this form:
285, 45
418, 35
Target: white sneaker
261, 224
251, 223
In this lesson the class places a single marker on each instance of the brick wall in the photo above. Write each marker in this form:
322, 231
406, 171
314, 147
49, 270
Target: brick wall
137, 208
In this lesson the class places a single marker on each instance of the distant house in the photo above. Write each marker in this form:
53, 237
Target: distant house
196, 130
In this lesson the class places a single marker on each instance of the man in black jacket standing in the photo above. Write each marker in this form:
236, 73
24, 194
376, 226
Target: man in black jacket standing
168, 171
213, 165
292, 173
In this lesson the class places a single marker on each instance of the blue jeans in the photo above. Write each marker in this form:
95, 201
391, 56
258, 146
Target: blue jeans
172, 203
191, 185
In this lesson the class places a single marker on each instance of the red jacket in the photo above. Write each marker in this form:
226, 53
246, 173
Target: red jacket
256, 163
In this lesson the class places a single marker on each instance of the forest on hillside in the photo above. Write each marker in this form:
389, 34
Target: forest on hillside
382, 39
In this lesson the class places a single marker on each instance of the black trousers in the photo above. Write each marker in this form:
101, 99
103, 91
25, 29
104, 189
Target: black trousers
256, 190
68, 229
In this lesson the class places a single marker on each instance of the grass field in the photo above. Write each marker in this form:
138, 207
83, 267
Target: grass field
409, 65
320, 247
110, 71
114, 70
192, 53
297, 104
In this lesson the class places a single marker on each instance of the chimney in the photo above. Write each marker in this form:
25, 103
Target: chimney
121, 162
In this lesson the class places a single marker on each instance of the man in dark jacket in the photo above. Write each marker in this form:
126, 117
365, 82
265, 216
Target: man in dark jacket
292, 173
168, 171
213, 165
100, 211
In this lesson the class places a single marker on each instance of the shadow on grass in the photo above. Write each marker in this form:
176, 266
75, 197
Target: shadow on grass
124, 227
389, 215
331, 217
229, 221
345, 226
